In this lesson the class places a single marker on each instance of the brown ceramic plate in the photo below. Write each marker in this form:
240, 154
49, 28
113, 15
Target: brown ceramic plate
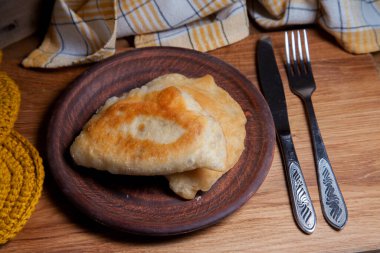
146, 205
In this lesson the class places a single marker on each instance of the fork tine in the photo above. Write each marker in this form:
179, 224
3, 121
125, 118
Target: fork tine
299, 45
287, 48
294, 48
308, 64
306, 46
295, 67
301, 60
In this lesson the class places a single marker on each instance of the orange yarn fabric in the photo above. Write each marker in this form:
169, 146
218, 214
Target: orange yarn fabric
9, 104
21, 168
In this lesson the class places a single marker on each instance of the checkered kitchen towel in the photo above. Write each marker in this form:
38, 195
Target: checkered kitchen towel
354, 23
84, 31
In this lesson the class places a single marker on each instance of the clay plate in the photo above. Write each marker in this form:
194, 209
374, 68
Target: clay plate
146, 205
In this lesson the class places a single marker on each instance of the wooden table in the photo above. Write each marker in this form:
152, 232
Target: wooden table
347, 104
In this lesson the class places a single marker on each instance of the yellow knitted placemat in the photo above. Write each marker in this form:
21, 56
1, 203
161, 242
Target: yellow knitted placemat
9, 104
21, 180
21, 169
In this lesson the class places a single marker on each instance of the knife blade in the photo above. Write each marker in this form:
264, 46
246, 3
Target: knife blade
273, 91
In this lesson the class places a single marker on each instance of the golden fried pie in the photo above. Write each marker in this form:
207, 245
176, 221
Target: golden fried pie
221, 106
152, 131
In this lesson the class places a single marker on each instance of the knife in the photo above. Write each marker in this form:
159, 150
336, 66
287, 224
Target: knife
273, 91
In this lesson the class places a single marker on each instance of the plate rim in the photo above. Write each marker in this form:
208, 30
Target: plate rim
241, 200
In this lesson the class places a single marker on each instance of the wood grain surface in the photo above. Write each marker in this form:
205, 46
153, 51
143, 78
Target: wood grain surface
21, 19
146, 205
347, 105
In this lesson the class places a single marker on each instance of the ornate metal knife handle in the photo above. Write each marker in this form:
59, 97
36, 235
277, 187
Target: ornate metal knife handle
302, 207
333, 206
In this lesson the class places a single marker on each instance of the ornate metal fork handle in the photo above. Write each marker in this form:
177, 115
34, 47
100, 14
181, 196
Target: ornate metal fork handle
301, 82
333, 205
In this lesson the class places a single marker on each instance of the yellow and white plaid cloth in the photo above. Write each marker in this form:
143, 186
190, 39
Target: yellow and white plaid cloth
354, 23
84, 31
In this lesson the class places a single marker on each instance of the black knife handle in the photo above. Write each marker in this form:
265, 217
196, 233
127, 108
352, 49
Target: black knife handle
302, 207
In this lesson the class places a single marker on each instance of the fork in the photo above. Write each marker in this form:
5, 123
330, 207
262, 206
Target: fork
301, 82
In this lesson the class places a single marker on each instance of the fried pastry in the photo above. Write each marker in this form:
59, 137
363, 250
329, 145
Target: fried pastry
220, 105
151, 131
